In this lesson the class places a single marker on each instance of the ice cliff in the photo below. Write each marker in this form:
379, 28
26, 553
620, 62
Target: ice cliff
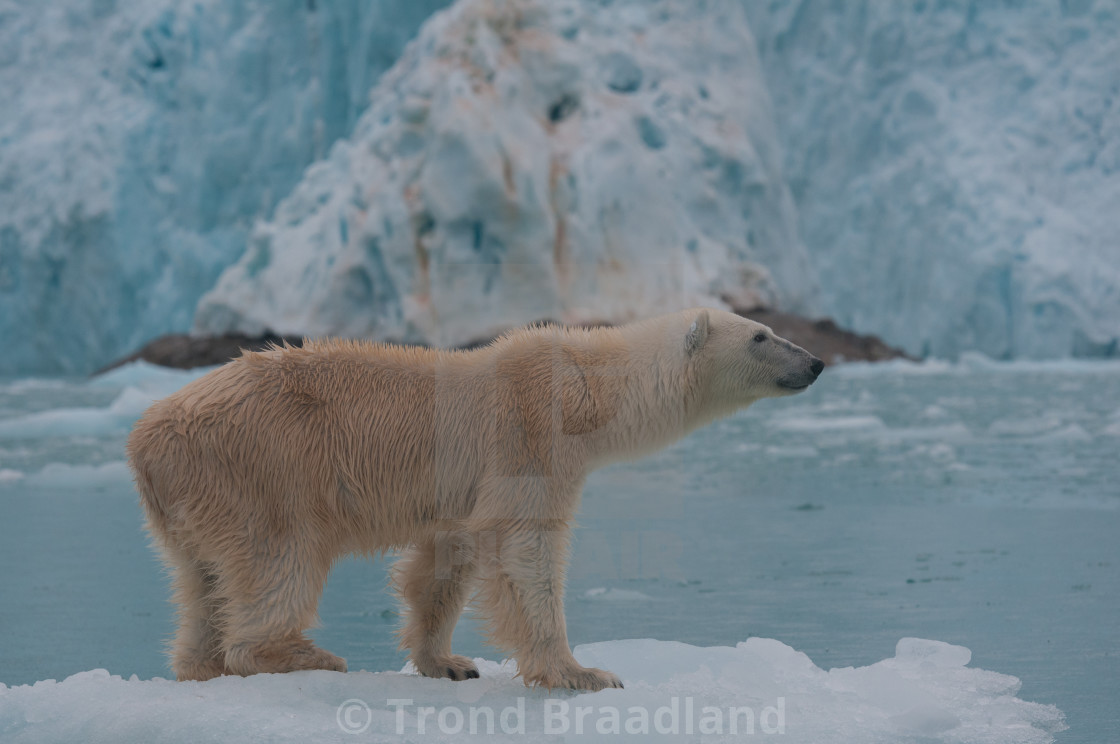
956, 167
141, 139
528, 159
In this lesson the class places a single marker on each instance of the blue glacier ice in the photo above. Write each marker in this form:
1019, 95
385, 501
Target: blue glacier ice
944, 174
141, 139
956, 167
525, 160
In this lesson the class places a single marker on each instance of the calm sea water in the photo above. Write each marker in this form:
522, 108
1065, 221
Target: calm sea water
973, 503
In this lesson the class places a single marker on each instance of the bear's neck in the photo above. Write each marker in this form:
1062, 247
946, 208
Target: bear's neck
651, 397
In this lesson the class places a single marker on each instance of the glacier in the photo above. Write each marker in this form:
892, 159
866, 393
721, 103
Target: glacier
956, 167
140, 140
570, 160
943, 174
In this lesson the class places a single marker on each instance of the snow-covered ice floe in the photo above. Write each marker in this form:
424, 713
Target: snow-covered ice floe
761, 688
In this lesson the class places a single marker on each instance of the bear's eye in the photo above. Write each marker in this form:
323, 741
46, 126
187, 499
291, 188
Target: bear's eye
759, 338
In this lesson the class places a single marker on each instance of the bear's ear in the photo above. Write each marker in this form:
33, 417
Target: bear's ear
697, 333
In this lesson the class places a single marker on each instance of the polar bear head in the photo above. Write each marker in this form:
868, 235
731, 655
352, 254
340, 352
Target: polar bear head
740, 361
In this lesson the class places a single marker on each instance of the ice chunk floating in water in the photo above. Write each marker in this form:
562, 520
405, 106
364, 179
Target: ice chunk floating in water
143, 383
673, 690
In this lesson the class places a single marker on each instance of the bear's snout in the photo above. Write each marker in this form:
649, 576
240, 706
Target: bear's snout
803, 377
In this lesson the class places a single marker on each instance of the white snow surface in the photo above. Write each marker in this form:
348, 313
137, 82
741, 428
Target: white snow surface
568, 159
674, 691
956, 168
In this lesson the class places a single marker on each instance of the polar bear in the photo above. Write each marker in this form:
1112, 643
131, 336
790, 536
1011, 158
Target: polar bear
256, 477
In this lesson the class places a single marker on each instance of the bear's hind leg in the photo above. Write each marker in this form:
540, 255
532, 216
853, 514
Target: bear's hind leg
434, 580
196, 653
272, 592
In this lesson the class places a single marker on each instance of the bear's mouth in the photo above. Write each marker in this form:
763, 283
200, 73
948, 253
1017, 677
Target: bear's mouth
795, 383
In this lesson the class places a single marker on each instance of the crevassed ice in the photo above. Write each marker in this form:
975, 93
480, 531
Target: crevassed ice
955, 168
568, 160
141, 139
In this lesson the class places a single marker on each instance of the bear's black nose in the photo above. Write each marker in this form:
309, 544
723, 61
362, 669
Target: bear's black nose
816, 366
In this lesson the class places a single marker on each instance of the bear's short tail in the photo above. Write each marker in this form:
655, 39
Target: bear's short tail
140, 461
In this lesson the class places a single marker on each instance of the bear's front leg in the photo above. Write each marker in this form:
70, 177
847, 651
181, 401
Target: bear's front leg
523, 595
